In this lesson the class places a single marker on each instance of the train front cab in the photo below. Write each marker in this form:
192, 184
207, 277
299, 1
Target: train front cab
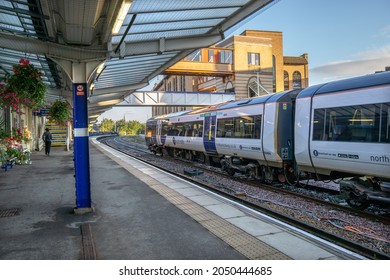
150, 132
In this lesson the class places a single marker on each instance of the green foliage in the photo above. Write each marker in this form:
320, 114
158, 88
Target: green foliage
129, 128
4, 134
122, 127
25, 86
107, 125
13, 152
3, 155
59, 111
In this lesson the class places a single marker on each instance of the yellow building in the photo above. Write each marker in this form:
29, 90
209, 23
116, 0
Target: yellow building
250, 64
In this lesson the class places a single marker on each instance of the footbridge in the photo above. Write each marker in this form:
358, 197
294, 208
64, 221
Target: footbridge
163, 98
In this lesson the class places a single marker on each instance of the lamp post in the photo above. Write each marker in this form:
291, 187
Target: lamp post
126, 113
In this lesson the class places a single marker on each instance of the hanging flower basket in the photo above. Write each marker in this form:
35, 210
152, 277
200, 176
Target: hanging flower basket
9, 99
25, 85
59, 112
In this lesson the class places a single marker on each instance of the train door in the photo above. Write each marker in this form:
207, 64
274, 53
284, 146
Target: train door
209, 134
162, 131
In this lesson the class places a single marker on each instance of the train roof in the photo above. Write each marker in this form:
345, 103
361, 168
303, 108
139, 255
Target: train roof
376, 79
170, 115
284, 96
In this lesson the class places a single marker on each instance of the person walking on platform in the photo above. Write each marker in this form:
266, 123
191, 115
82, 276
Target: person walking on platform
47, 138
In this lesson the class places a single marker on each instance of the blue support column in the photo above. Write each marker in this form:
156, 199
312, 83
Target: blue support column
81, 148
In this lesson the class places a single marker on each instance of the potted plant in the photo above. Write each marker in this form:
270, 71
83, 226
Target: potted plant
59, 111
25, 86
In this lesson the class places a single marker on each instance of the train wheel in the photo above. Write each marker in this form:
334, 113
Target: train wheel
188, 155
358, 201
201, 158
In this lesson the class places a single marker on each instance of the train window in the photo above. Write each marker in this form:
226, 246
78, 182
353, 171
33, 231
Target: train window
240, 127
151, 129
385, 123
172, 130
164, 128
187, 129
318, 124
360, 123
257, 132
225, 128
198, 130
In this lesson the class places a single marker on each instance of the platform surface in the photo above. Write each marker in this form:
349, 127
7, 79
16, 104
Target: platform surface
139, 214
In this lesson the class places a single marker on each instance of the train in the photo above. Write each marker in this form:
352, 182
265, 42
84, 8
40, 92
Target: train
338, 130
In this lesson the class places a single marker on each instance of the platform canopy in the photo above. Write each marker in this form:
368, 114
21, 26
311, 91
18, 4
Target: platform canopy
150, 36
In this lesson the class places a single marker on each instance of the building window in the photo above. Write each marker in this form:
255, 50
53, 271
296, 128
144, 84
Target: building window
255, 87
273, 74
253, 59
211, 55
297, 82
229, 87
226, 57
286, 81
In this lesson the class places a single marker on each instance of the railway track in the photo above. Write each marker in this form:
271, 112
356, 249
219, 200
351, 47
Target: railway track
362, 232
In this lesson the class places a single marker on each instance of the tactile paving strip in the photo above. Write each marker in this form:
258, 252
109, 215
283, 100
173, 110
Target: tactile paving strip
9, 212
88, 251
237, 238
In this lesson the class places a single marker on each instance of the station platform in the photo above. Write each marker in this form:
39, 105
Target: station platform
140, 213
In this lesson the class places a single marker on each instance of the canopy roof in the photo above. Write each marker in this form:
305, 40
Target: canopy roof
154, 35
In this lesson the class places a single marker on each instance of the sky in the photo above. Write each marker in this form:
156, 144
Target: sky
343, 38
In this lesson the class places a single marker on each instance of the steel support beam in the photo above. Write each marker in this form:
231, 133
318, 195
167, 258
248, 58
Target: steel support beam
162, 45
57, 51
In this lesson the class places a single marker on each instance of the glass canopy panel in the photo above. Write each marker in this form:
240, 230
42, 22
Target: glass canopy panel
187, 15
131, 70
165, 34
175, 5
173, 26
175, 18
16, 18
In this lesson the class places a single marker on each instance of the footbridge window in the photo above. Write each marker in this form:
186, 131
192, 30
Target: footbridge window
226, 57
195, 56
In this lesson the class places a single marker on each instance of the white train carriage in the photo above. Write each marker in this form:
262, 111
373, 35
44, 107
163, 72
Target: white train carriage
252, 136
342, 129
336, 130
183, 132
260, 129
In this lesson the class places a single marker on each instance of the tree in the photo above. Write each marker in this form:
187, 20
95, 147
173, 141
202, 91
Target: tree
135, 127
121, 127
107, 125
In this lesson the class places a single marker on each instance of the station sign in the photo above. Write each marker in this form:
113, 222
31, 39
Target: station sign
42, 112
